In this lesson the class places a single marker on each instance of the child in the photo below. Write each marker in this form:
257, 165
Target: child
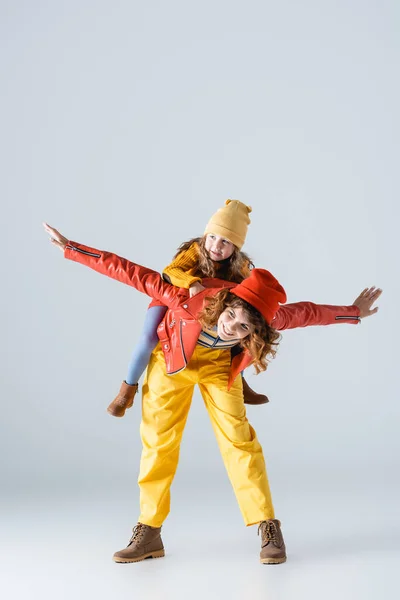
246, 316
216, 254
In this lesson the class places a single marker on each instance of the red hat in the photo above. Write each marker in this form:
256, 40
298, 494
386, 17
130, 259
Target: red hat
262, 291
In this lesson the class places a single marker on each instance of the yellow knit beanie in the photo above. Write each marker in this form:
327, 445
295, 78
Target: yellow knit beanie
231, 222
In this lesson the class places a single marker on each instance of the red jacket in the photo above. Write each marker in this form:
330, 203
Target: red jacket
179, 330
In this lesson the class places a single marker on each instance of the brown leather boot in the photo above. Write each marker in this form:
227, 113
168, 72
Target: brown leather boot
124, 400
145, 542
251, 397
273, 549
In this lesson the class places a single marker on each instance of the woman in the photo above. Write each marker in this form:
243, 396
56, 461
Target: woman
208, 340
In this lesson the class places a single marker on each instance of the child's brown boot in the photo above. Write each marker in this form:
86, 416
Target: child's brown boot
250, 396
124, 400
273, 549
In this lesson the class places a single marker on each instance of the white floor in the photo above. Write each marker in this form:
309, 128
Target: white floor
61, 547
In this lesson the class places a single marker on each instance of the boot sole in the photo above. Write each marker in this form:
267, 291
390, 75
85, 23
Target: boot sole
157, 554
272, 561
256, 403
110, 412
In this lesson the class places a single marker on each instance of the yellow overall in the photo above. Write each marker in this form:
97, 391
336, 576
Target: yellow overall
165, 407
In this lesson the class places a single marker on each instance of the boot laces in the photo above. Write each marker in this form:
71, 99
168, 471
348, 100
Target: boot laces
269, 531
138, 533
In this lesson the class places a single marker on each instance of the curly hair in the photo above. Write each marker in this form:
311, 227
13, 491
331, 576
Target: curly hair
261, 343
235, 268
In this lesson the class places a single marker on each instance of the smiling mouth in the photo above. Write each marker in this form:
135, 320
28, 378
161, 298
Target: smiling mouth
216, 253
225, 331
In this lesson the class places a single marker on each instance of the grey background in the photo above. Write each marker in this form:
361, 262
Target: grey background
126, 125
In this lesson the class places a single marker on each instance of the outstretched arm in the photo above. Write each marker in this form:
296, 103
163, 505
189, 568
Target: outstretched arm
306, 314
145, 280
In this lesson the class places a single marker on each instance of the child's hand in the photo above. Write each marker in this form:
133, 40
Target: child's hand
55, 237
366, 299
195, 289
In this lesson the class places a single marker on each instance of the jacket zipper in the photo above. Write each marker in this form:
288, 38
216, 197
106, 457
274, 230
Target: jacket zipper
178, 371
83, 251
183, 350
349, 317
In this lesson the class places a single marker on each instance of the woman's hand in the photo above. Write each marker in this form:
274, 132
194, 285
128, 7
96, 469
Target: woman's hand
55, 237
366, 299
196, 288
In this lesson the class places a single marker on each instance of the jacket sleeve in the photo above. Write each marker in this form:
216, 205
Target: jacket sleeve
178, 272
144, 280
306, 314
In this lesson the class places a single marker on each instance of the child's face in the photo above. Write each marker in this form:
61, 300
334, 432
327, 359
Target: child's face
234, 323
218, 248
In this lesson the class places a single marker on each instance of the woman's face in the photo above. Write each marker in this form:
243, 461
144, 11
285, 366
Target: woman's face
234, 323
218, 248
